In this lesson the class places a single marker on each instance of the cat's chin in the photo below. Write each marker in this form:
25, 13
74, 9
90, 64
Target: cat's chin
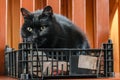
40, 42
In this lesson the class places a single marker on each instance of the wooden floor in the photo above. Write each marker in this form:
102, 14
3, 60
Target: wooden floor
9, 78
6, 78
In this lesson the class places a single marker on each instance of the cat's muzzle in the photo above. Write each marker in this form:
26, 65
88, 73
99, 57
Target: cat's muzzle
40, 41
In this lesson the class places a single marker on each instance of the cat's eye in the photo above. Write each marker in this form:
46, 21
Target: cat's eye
42, 28
29, 29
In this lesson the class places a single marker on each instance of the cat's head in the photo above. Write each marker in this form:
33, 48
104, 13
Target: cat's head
37, 26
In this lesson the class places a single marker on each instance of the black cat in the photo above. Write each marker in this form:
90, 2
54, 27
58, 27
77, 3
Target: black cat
51, 30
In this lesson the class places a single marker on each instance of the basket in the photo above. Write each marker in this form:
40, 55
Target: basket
54, 63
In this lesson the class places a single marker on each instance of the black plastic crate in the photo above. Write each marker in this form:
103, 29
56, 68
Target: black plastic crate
45, 63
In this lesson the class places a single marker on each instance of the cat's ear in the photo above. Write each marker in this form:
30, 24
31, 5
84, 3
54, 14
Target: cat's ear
25, 13
47, 11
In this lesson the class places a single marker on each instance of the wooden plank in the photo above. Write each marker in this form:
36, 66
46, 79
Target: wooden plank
114, 35
101, 27
113, 5
79, 13
28, 5
40, 4
2, 33
55, 5
69, 10
90, 22
9, 23
15, 13
13, 23
37, 4
66, 8
119, 30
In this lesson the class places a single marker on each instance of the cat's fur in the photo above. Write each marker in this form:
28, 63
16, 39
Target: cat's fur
50, 30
